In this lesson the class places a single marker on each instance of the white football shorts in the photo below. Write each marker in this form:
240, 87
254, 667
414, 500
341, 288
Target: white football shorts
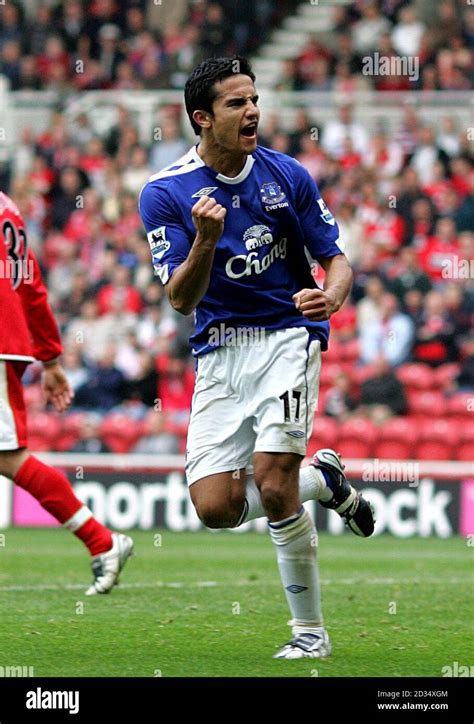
251, 398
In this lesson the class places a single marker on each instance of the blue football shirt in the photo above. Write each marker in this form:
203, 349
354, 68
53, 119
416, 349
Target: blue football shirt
276, 224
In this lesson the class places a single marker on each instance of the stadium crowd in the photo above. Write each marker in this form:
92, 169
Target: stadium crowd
98, 44
105, 44
372, 29
401, 346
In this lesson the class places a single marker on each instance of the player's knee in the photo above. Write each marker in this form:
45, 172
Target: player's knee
213, 516
274, 498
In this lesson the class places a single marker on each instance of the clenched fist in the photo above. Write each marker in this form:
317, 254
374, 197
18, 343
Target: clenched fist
208, 218
315, 304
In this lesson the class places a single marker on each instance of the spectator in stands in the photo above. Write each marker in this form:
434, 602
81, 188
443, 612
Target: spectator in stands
119, 291
434, 342
39, 30
86, 329
390, 336
407, 34
176, 382
339, 402
74, 367
215, 32
158, 440
72, 23
138, 171
89, 436
413, 305
109, 55
369, 28
11, 27
169, 145
382, 394
336, 131
439, 249
464, 380
426, 155
407, 274
29, 76
10, 63
410, 192
369, 308
105, 386
66, 197
143, 385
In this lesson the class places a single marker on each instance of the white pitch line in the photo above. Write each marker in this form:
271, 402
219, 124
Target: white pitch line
215, 584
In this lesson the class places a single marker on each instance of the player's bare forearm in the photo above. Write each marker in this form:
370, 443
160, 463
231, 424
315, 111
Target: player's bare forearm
338, 281
317, 305
190, 281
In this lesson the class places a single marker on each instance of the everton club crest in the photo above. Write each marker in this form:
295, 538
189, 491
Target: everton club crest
272, 196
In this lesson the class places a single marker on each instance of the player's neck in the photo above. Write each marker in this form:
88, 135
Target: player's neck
224, 162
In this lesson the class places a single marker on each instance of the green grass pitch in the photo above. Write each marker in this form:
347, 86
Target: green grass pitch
210, 604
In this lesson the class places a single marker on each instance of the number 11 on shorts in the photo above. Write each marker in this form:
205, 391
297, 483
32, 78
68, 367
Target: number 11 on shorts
296, 398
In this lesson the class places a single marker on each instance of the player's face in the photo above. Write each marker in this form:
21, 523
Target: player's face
233, 125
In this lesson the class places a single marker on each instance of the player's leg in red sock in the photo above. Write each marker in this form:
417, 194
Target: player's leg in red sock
54, 492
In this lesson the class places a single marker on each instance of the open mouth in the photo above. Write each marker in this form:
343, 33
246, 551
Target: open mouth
249, 131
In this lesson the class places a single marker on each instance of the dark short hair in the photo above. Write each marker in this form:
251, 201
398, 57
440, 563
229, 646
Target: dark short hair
200, 92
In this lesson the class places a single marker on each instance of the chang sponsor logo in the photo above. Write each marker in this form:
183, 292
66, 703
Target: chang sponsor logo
244, 265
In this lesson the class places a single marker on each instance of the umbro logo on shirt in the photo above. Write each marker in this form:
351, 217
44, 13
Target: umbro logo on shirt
206, 191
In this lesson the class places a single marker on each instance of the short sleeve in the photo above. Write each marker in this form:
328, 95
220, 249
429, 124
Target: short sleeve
319, 227
168, 239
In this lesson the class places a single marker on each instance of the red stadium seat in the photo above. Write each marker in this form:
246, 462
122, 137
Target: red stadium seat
361, 374
334, 353
38, 443
325, 433
445, 374
329, 370
120, 432
465, 429
357, 437
354, 449
465, 452
400, 429
431, 450
34, 398
395, 449
65, 441
416, 376
44, 425
350, 350
440, 430
461, 404
426, 403
358, 428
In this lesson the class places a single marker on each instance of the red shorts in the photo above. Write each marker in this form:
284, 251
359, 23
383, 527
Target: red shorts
12, 405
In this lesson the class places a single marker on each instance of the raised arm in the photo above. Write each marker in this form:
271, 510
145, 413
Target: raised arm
190, 280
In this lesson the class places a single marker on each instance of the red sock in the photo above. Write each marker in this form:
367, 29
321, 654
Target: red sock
54, 492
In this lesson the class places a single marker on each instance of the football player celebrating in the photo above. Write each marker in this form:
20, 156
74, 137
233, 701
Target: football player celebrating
232, 229
28, 331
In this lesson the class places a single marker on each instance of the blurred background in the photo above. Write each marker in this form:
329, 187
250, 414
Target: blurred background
91, 106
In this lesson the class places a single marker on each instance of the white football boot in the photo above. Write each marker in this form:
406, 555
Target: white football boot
306, 646
107, 566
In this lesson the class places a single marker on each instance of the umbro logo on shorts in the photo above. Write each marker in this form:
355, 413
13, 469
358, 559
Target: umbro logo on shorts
206, 191
296, 433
